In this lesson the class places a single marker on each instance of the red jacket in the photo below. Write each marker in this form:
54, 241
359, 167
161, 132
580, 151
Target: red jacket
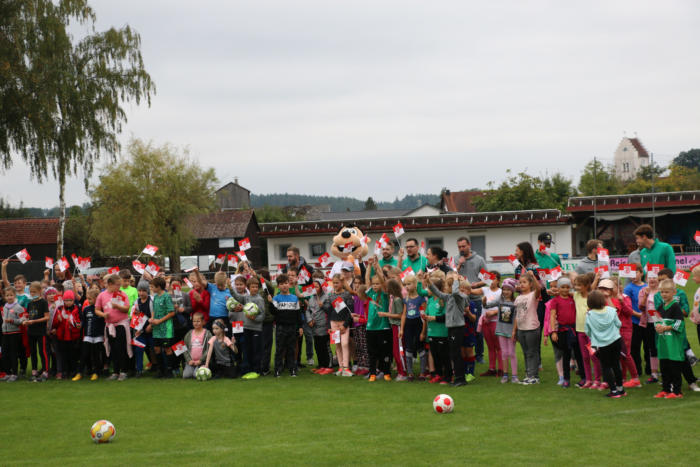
67, 324
624, 312
201, 306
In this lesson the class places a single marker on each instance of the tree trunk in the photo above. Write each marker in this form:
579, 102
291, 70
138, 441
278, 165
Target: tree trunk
175, 264
62, 216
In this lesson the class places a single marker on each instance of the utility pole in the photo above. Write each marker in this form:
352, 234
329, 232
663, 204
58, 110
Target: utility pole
595, 201
653, 212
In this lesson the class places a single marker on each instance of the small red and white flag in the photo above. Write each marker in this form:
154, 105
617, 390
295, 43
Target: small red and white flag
74, 257
422, 248
150, 250
384, 240
85, 263
327, 287
137, 343
242, 256
237, 327
604, 271
232, 261
555, 274
514, 261
486, 276
398, 230
308, 290
118, 299
179, 348
401, 352
339, 304
545, 249
328, 273
347, 248
335, 336
188, 283
364, 240
543, 274
304, 275
603, 255
113, 270
324, 260
628, 270
697, 236
63, 264
138, 266
681, 278
220, 259
48, 262
138, 321
653, 269
377, 248
152, 268
264, 284
451, 263
244, 244
176, 286
406, 273
23, 256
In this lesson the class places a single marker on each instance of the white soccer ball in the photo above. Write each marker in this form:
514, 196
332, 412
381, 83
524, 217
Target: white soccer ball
202, 374
251, 310
102, 431
443, 404
231, 303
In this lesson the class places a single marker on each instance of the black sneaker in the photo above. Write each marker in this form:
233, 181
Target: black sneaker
277, 374
457, 384
265, 373
293, 373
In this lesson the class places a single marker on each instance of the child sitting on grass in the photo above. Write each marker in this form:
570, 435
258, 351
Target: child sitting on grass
603, 328
222, 349
197, 342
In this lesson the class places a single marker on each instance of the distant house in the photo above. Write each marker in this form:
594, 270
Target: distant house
219, 232
630, 157
233, 196
459, 201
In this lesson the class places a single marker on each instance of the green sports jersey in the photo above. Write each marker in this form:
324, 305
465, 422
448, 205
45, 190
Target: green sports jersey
390, 262
547, 261
133, 295
162, 305
670, 345
659, 253
417, 265
436, 308
680, 296
379, 301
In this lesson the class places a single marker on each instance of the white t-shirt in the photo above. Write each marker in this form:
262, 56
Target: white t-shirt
491, 296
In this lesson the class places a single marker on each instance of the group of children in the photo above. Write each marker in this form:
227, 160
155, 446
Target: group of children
383, 321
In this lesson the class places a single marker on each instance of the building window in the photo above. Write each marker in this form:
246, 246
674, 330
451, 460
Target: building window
479, 244
431, 242
625, 166
283, 250
624, 149
226, 243
317, 249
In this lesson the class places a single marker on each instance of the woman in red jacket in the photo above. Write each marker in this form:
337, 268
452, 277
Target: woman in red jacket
66, 322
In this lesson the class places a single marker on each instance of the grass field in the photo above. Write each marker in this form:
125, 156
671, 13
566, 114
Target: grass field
330, 420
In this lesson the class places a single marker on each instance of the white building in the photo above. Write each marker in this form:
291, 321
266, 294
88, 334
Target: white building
493, 234
630, 157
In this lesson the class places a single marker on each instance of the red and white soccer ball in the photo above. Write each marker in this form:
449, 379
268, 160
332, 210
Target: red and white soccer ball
102, 431
443, 404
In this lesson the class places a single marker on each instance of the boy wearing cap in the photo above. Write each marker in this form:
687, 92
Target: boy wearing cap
545, 259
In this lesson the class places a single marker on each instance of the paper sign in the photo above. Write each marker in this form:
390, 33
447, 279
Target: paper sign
113, 270
138, 266
237, 327
681, 278
48, 262
244, 244
220, 259
139, 344
152, 268
398, 230
604, 271
603, 255
514, 261
335, 336
628, 270
23, 256
339, 304
324, 260
150, 250
179, 348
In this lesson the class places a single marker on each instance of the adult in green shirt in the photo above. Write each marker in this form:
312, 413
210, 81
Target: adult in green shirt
413, 259
546, 260
387, 258
654, 251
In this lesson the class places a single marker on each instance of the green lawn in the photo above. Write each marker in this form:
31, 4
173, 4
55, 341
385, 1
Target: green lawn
330, 420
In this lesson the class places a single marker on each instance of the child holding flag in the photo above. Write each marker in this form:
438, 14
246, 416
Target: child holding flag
162, 327
338, 305
378, 327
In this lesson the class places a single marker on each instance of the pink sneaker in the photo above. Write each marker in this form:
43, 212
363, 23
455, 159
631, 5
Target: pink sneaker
602, 386
595, 385
632, 383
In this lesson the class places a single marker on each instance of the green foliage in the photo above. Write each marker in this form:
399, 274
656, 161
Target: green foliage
370, 205
273, 214
8, 212
598, 179
689, 159
340, 203
148, 198
522, 192
650, 171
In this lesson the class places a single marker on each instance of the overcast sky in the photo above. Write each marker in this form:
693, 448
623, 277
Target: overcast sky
385, 98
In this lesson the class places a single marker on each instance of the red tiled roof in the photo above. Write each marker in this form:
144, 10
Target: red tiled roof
221, 224
25, 232
641, 151
460, 201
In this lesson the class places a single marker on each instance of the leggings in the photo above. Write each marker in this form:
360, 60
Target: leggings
11, 346
323, 350
67, 357
454, 341
398, 357
37, 345
488, 329
636, 347
117, 350
414, 347
626, 360
342, 350
441, 355
91, 357
650, 343
530, 343
379, 350
609, 357
564, 345
583, 342
253, 349
507, 345
359, 337
671, 375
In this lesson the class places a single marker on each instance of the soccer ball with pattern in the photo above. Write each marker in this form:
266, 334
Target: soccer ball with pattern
202, 374
102, 431
251, 310
443, 404
231, 303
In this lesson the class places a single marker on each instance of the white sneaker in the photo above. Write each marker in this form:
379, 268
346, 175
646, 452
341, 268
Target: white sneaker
354, 368
122, 377
339, 372
310, 362
401, 378
695, 387
346, 373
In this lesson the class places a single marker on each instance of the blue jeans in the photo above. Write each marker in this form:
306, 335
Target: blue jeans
479, 348
138, 351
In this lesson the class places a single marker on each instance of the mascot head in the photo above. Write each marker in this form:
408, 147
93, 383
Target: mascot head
349, 242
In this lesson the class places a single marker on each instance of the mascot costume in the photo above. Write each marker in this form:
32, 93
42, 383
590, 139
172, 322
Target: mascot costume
349, 246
